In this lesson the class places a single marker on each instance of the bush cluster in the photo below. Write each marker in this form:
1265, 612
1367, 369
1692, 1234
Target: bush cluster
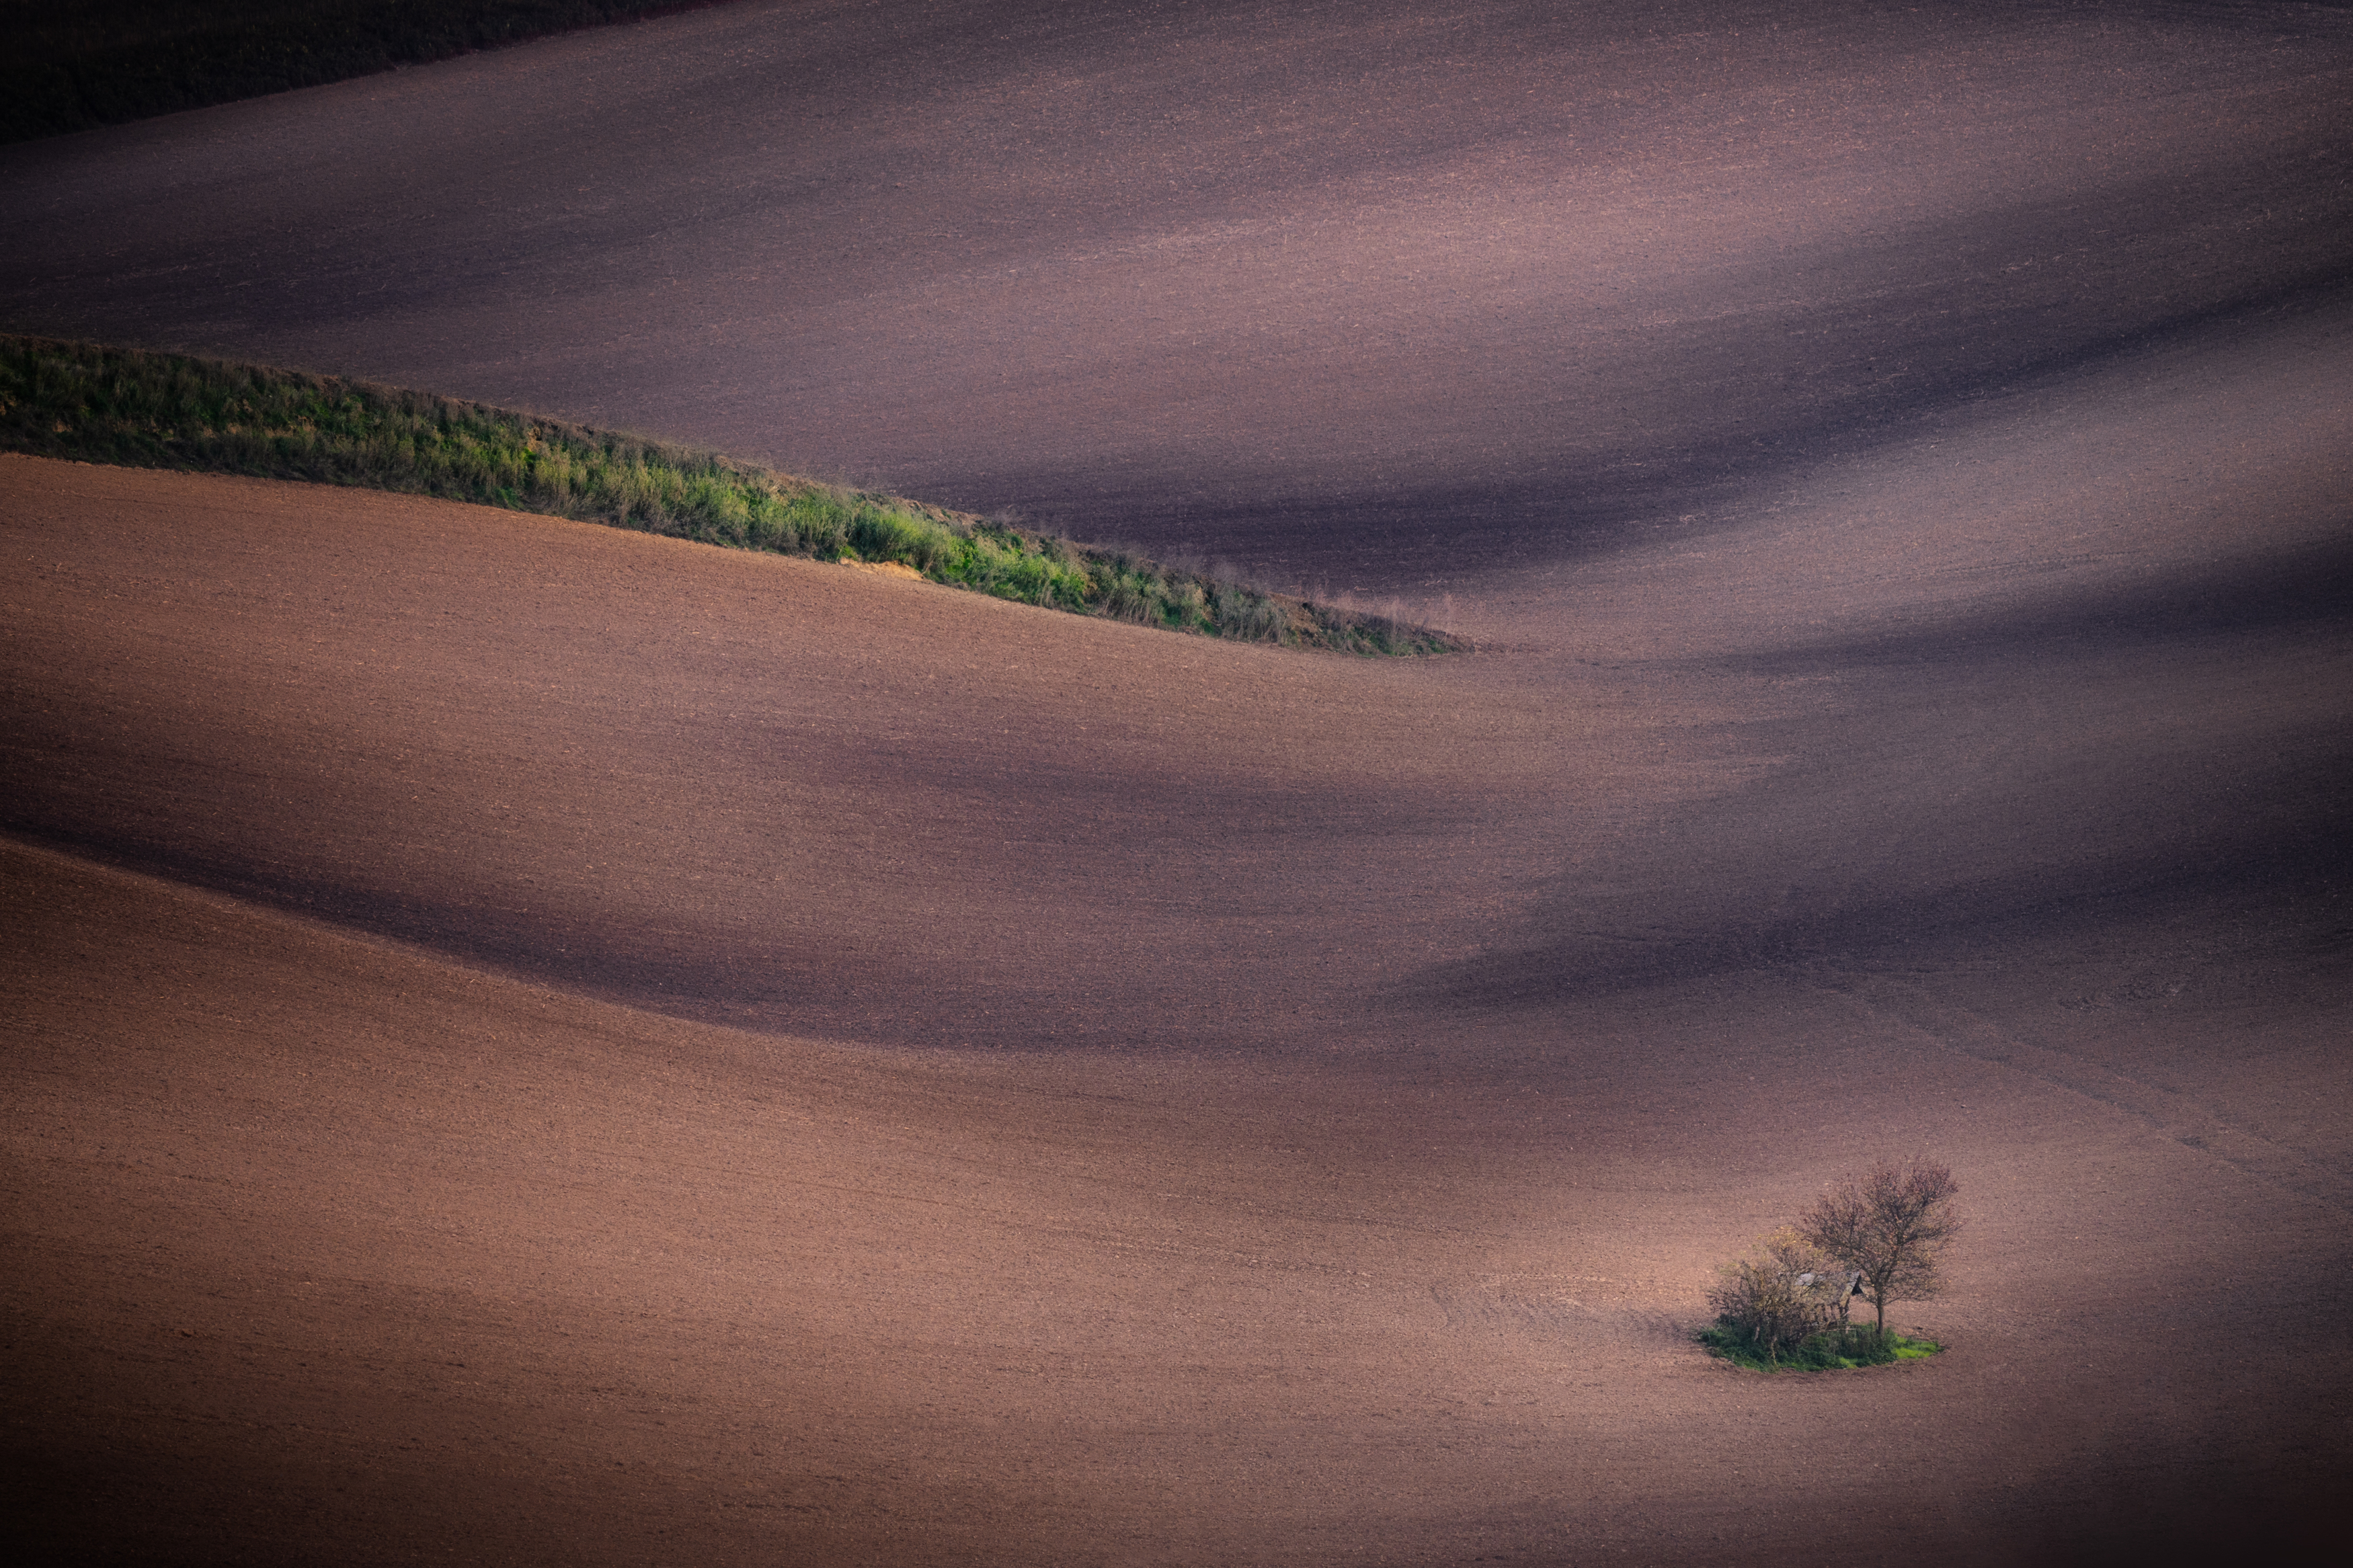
172, 411
1782, 1294
1881, 1237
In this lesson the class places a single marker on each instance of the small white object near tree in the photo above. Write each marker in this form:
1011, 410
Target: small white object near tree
1846, 1284
1784, 1290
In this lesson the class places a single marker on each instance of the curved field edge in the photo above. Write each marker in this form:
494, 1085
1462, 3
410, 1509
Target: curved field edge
136, 408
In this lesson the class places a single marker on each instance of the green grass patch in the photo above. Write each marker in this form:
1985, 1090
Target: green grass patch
1828, 1352
96, 405
75, 65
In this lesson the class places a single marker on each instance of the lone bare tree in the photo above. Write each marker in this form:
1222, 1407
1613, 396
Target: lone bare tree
1890, 1227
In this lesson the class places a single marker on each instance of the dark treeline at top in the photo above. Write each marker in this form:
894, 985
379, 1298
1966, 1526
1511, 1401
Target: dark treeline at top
76, 65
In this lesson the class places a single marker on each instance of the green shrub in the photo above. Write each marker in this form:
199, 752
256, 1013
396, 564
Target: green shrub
1828, 1350
99, 404
1776, 1297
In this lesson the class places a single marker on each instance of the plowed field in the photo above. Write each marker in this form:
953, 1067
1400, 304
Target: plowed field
529, 1042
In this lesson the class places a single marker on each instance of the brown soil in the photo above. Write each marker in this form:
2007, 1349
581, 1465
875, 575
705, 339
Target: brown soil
1271, 1214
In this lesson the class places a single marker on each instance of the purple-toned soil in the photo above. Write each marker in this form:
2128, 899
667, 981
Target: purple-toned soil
526, 1042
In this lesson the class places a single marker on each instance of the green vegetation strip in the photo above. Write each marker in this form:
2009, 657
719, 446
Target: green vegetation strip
75, 65
1827, 1352
96, 405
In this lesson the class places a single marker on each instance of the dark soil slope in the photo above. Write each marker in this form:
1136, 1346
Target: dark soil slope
1329, 1172
1367, 291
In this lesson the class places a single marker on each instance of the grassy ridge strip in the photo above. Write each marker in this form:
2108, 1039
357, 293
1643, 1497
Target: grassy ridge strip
75, 65
125, 406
